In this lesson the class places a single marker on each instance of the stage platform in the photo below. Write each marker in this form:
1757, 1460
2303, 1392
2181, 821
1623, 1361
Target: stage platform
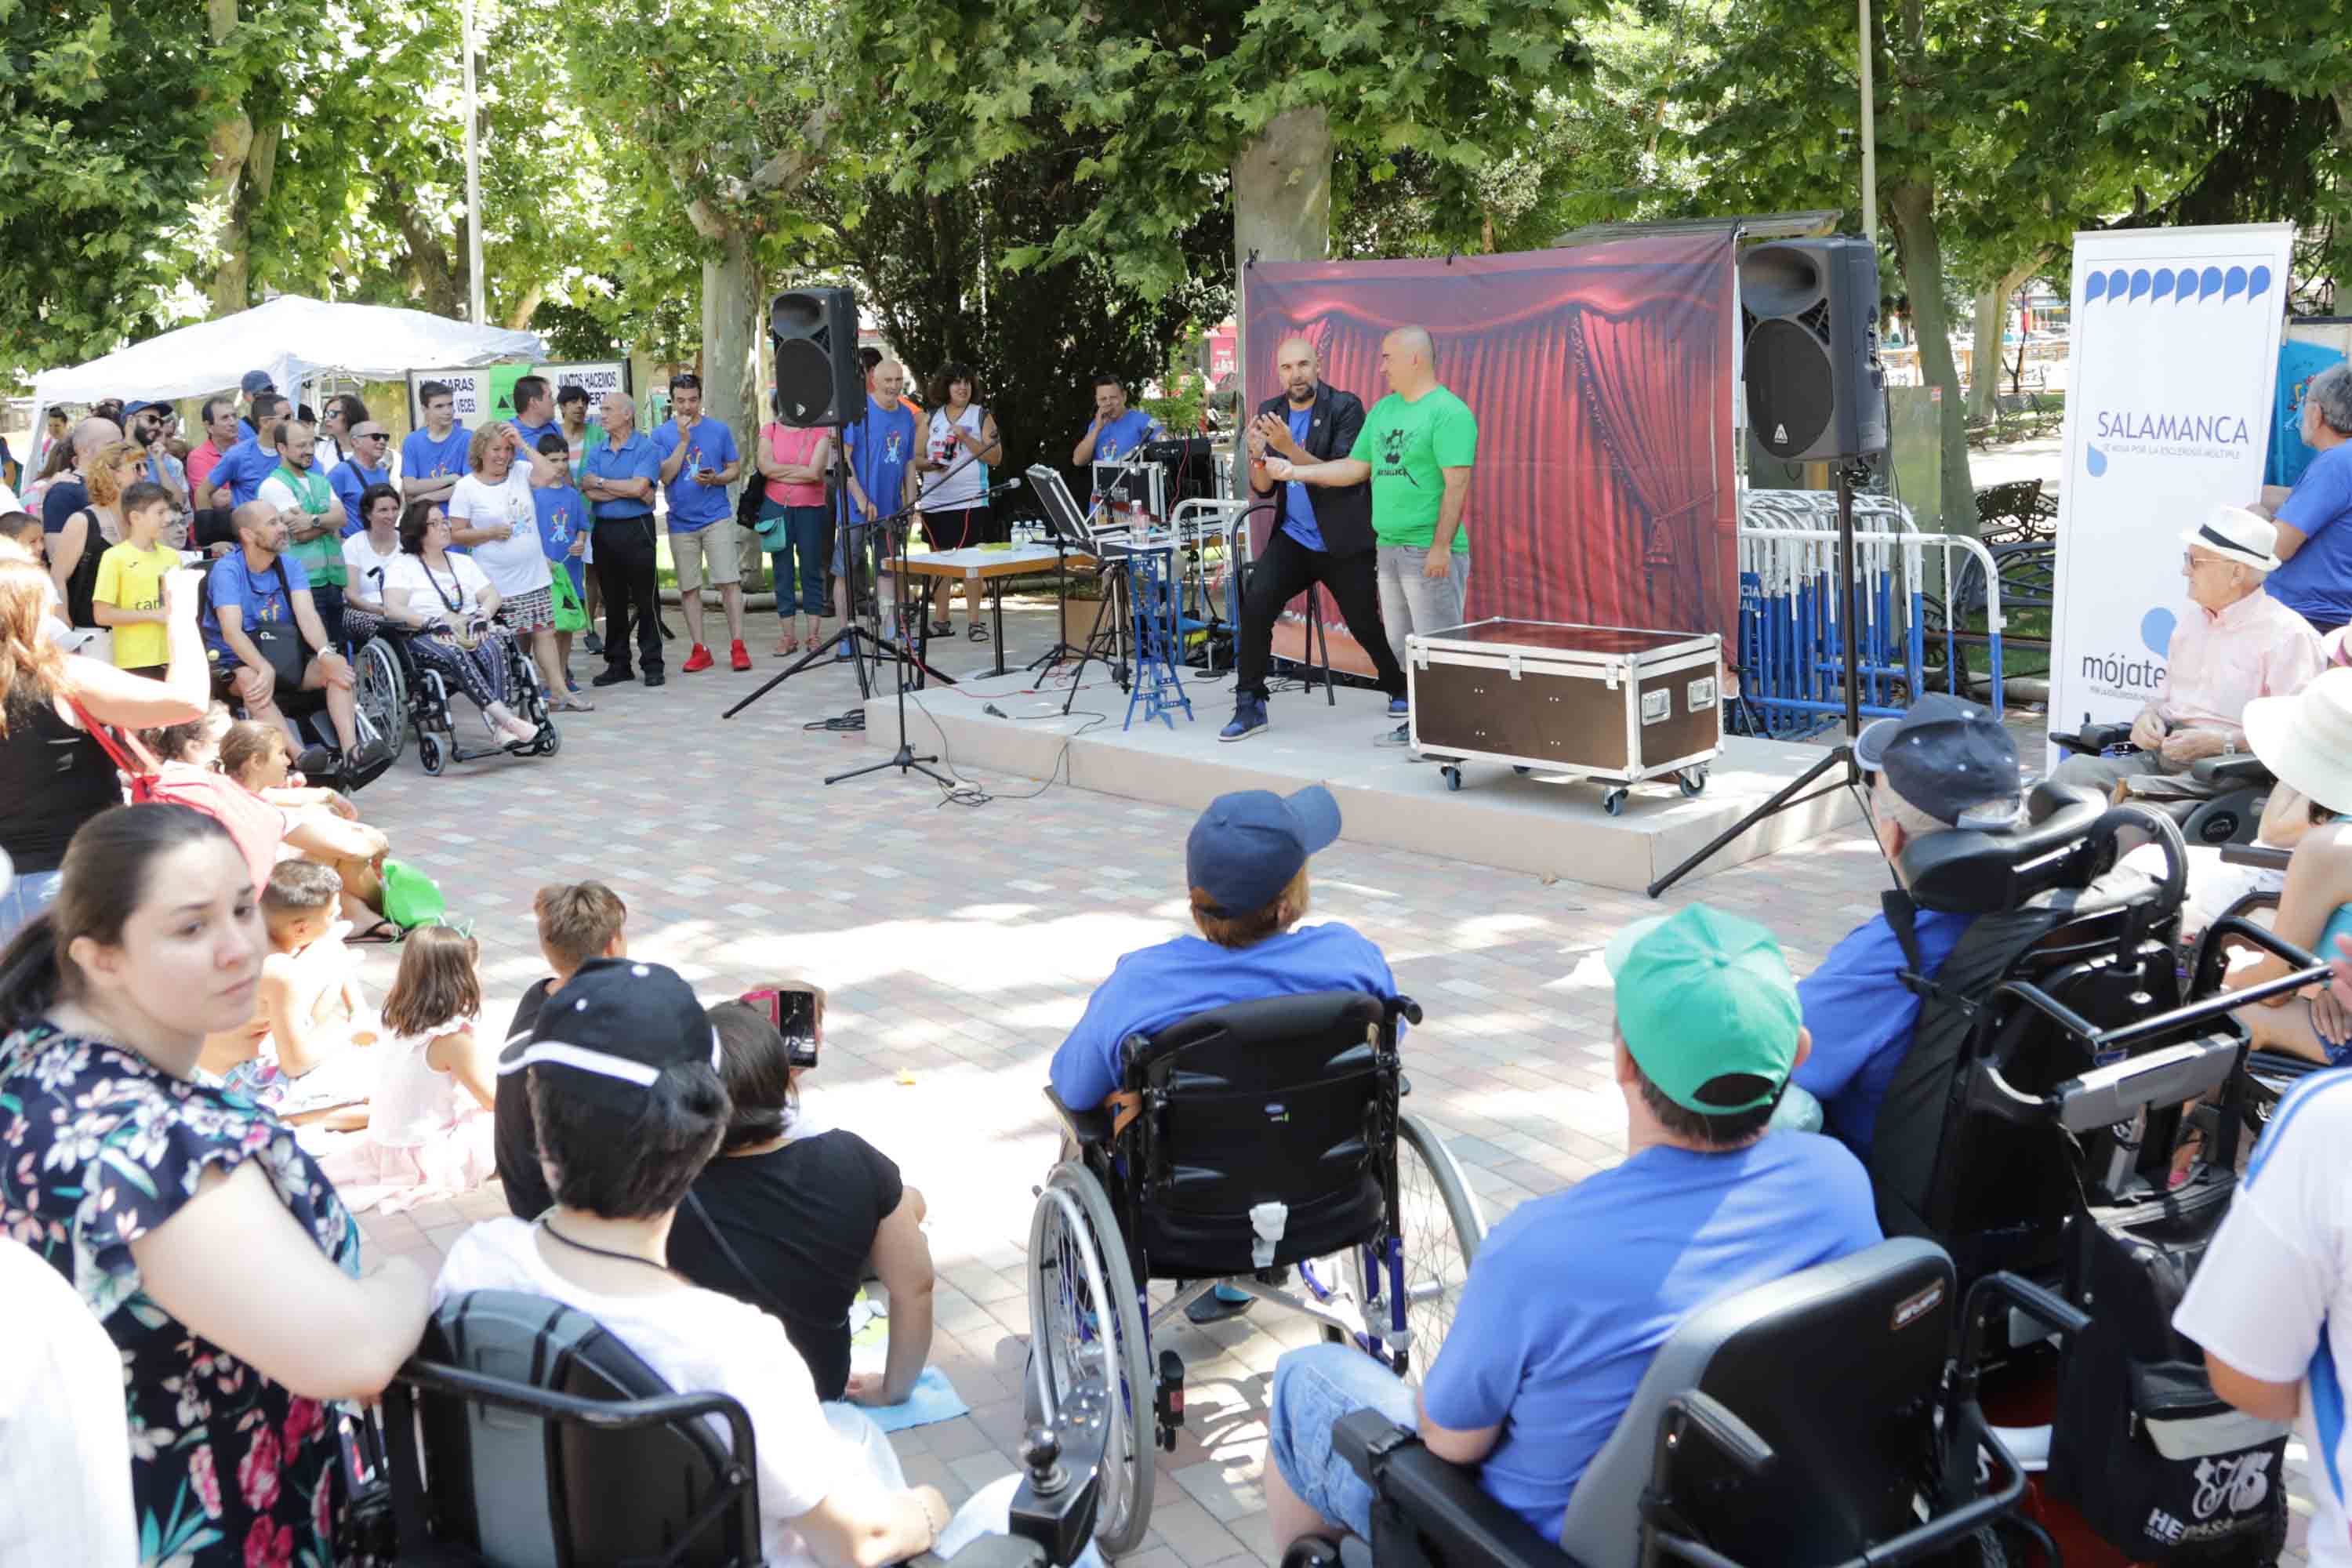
1551, 825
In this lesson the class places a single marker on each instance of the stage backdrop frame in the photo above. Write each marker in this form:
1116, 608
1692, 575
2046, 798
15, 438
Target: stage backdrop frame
1603, 375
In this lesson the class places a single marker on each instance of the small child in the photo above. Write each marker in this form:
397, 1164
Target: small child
577, 921
564, 534
430, 1130
129, 596
296, 1052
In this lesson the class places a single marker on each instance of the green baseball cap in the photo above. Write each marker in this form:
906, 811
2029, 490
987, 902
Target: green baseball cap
1707, 1007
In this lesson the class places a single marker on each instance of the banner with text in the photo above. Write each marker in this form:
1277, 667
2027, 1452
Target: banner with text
2175, 361
486, 392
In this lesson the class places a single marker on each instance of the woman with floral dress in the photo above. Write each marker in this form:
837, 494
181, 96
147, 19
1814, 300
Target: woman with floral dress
202, 1237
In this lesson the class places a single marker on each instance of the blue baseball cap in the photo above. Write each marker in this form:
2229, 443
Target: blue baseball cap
257, 381
1248, 845
1950, 758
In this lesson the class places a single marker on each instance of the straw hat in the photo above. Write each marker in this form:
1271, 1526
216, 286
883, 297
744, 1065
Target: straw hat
2306, 739
2236, 534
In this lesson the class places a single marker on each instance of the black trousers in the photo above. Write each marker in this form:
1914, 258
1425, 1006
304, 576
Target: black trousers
626, 577
1280, 575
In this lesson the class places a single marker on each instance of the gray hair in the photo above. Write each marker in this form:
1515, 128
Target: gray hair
624, 400
2331, 394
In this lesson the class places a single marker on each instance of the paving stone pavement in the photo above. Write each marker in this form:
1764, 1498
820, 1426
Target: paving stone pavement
956, 946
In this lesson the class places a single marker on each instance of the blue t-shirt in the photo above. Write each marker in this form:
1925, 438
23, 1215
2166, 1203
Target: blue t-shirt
1572, 1294
695, 507
257, 599
636, 459
1154, 986
1862, 1017
2317, 582
880, 448
242, 469
562, 513
1298, 506
1124, 434
423, 458
350, 482
531, 433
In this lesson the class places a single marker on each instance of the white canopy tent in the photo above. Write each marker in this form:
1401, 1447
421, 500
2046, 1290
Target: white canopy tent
293, 339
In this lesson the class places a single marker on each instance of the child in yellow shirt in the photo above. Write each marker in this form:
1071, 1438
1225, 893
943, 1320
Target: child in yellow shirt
129, 596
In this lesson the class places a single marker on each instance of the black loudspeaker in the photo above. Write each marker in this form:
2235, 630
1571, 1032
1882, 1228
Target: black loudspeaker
818, 378
1809, 309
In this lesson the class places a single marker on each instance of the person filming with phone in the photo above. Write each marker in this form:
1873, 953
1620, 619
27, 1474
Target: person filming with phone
789, 1218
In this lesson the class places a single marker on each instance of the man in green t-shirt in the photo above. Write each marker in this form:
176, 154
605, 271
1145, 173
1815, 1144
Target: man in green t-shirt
1417, 447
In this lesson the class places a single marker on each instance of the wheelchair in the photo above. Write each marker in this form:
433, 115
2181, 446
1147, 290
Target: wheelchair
1729, 1455
399, 697
2230, 816
1265, 1136
523, 1433
2269, 1074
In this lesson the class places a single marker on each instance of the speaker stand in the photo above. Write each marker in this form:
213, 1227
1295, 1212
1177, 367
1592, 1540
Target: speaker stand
1839, 758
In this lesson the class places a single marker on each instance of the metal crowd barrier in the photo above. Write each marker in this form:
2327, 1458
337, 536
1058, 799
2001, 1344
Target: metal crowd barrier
1791, 650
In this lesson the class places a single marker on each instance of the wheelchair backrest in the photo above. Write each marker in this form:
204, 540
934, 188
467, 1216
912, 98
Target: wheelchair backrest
526, 1489
1286, 1098
1837, 1368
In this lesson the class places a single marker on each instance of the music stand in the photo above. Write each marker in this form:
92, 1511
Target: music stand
1070, 531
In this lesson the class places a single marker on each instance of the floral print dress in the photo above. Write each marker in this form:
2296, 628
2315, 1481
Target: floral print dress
97, 1148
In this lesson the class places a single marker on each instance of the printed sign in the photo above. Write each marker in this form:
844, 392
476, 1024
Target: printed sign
486, 392
2175, 360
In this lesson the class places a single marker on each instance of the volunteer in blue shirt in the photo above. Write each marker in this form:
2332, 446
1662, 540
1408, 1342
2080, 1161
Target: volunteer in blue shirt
259, 588
236, 477
563, 535
534, 414
251, 386
1117, 430
1942, 763
370, 446
2314, 518
698, 462
431, 460
617, 481
1246, 864
881, 446
1571, 1296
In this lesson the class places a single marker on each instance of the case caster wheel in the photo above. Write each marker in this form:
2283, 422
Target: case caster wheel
1614, 803
1692, 780
1521, 769
1453, 771
429, 751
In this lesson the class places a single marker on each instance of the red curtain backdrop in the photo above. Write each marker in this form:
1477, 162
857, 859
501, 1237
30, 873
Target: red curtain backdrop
1601, 379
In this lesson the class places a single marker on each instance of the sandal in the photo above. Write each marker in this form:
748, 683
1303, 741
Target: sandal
787, 646
979, 632
383, 932
572, 705
943, 628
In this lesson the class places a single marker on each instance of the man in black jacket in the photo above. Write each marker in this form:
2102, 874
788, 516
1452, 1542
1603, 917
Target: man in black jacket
1321, 534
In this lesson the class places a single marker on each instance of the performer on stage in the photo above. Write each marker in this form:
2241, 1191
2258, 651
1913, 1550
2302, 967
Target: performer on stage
1417, 447
1321, 536
1118, 429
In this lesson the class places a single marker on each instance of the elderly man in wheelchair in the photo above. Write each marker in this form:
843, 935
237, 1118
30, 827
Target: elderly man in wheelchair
2021, 1165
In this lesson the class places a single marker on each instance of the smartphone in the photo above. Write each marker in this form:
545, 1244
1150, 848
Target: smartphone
794, 1011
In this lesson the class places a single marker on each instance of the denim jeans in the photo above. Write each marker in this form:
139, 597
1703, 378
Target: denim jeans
1313, 1388
805, 536
1412, 602
27, 895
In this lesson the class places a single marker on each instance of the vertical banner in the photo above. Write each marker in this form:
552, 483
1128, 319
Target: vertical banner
2174, 365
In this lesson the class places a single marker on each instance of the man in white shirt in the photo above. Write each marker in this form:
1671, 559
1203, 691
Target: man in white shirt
2272, 1303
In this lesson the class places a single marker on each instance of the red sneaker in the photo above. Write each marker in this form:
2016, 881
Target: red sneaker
742, 657
698, 660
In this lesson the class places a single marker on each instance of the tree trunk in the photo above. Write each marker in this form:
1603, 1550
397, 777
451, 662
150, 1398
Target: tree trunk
519, 317
731, 287
1984, 377
231, 144
1282, 204
1911, 210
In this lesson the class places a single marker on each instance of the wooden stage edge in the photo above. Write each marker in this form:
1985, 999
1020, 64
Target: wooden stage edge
1548, 825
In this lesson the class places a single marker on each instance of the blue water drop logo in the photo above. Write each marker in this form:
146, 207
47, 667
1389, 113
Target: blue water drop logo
2208, 283
2094, 288
2118, 283
2232, 282
2162, 287
2093, 459
2139, 280
2258, 282
2156, 629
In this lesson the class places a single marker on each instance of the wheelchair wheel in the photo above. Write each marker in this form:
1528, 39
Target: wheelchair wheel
428, 753
1087, 1342
1441, 1227
382, 692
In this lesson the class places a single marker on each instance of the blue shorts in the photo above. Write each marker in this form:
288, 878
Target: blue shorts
1314, 1388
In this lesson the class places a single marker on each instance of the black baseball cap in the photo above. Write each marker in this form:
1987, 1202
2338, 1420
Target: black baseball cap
613, 1028
1247, 846
1951, 759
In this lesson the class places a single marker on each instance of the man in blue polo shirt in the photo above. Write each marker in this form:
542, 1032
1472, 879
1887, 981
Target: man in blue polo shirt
534, 414
2314, 518
617, 481
258, 588
881, 448
1572, 1295
371, 445
698, 462
236, 477
1117, 430
431, 460
1943, 763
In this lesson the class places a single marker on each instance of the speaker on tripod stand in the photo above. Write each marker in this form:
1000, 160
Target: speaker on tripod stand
1815, 391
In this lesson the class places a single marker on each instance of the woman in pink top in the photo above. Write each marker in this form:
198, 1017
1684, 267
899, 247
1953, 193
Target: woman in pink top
792, 524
